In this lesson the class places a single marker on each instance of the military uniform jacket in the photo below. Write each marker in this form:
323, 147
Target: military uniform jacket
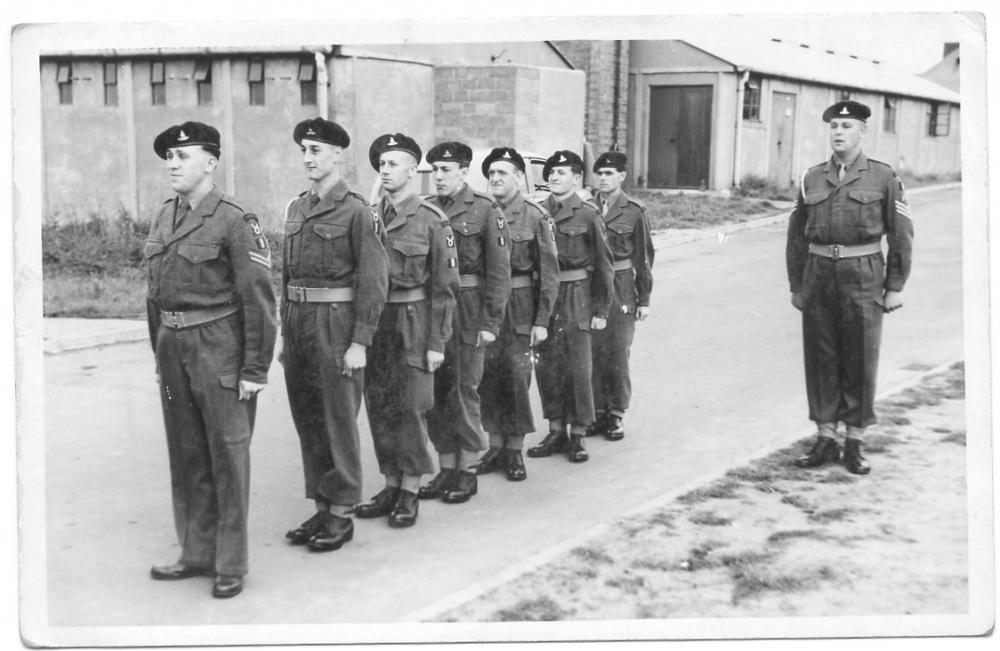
867, 204
629, 238
217, 256
532, 251
483, 245
337, 243
582, 244
421, 248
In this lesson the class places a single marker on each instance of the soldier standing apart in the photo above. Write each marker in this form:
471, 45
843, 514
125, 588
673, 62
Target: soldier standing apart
335, 278
586, 282
842, 284
482, 242
415, 325
534, 287
212, 325
628, 232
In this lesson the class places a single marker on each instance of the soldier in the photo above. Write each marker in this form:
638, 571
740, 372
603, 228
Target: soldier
628, 232
841, 282
586, 281
482, 242
415, 325
335, 278
211, 316
535, 286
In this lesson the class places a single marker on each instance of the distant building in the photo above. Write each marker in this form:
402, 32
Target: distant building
704, 113
102, 109
946, 72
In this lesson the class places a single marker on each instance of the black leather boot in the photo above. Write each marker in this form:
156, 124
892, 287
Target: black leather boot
577, 453
379, 505
492, 460
436, 487
553, 442
854, 461
462, 488
824, 450
613, 430
515, 466
404, 514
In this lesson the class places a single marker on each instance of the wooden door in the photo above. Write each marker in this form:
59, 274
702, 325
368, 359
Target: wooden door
782, 139
680, 136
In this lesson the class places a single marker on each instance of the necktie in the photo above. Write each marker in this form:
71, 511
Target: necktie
389, 214
313, 200
604, 206
182, 211
841, 171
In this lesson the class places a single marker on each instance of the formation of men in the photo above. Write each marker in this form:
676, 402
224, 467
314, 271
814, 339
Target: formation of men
436, 310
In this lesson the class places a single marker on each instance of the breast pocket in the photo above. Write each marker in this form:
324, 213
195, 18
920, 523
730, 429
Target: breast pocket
469, 236
866, 211
571, 240
292, 244
409, 263
199, 268
521, 250
331, 250
152, 251
817, 215
620, 239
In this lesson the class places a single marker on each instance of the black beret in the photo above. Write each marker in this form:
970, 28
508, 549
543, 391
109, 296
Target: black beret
450, 152
506, 154
562, 158
614, 159
189, 134
321, 130
847, 109
392, 142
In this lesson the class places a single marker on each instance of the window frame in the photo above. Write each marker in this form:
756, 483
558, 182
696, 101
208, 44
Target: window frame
158, 83
64, 81
202, 77
110, 69
255, 82
936, 126
751, 98
307, 77
890, 114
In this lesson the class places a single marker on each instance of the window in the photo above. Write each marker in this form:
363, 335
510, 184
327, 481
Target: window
203, 79
938, 119
158, 83
307, 81
889, 115
64, 77
751, 99
255, 76
844, 95
110, 83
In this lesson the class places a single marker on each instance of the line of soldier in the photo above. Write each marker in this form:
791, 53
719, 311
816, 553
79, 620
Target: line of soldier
435, 311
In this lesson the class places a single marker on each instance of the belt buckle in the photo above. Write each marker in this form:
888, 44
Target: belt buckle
835, 251
299, 294
173, 319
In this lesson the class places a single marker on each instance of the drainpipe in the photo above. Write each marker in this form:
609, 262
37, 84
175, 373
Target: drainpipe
322, 78
615, 145
738, 148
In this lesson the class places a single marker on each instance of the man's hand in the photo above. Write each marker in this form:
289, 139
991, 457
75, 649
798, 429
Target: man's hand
355, 357
642, 312
892, 301
434, 360
249, 389
279, 347
798, 302
597, 323
538, 335
485, 337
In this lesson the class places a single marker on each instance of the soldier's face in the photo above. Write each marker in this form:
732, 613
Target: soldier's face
188, 167
609, 179
395, 169
505, 179
448, 177
562, 180
845, 135
320, 159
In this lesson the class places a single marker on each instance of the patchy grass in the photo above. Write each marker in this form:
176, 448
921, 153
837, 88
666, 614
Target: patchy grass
709, 519
795, 534
753, 579
542, 609
954, 437
119, 295
799, 502
593, 555
702, 210
702, 556
830, 515
754, 186
721, 489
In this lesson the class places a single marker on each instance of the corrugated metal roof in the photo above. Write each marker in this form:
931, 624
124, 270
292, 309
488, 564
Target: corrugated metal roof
793, 60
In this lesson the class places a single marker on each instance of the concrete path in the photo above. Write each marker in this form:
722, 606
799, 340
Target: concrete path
718, 379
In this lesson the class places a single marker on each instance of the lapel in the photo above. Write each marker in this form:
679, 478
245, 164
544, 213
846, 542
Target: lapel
853, 172
617, 208
461, 202
406, 208
514, 209
205, 208
569, 205
328, 201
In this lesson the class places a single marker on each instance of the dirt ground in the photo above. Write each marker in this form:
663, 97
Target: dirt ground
770, 539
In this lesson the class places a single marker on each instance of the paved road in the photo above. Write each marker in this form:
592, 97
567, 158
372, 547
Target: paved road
718, 380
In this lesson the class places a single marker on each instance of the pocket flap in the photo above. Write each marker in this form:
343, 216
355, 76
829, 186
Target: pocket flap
198, 251
152, 248
291, 228
467, 228
229, 380
621, 229
330, 231
411, 249
521, 235
865, 196
813, 198
572, 229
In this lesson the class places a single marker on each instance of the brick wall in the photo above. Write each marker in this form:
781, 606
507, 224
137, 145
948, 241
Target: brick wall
605, 119
476, 104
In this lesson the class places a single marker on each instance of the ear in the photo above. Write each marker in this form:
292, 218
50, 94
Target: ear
211, 164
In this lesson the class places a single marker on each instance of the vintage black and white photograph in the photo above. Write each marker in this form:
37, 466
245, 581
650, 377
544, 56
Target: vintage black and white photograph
513, 328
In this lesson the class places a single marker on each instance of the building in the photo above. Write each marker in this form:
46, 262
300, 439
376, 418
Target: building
946, 72
706, 113
102, 109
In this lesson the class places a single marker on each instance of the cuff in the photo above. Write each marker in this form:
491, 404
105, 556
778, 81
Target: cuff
363, 334
436, 344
